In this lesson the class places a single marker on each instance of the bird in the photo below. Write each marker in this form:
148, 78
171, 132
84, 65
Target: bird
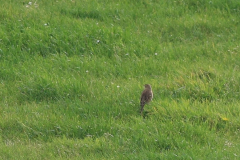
146, 96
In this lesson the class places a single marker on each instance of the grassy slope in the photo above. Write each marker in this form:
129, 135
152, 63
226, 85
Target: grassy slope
71, 74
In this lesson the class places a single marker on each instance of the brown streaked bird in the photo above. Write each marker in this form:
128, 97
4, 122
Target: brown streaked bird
146, 96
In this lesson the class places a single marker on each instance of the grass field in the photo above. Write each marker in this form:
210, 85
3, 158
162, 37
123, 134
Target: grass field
72, 72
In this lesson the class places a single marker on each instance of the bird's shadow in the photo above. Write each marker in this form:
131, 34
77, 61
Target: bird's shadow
146, 114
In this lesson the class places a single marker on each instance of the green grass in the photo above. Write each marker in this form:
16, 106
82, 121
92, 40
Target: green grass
71, 75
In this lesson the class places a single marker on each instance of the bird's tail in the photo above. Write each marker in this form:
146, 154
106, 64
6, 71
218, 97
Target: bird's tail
142, 105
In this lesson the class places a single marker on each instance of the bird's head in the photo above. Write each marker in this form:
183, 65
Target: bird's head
147, 86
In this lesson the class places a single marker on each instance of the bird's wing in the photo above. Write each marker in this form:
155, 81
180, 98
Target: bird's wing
144, 97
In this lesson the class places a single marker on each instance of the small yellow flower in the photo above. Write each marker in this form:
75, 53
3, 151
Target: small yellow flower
225, 119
